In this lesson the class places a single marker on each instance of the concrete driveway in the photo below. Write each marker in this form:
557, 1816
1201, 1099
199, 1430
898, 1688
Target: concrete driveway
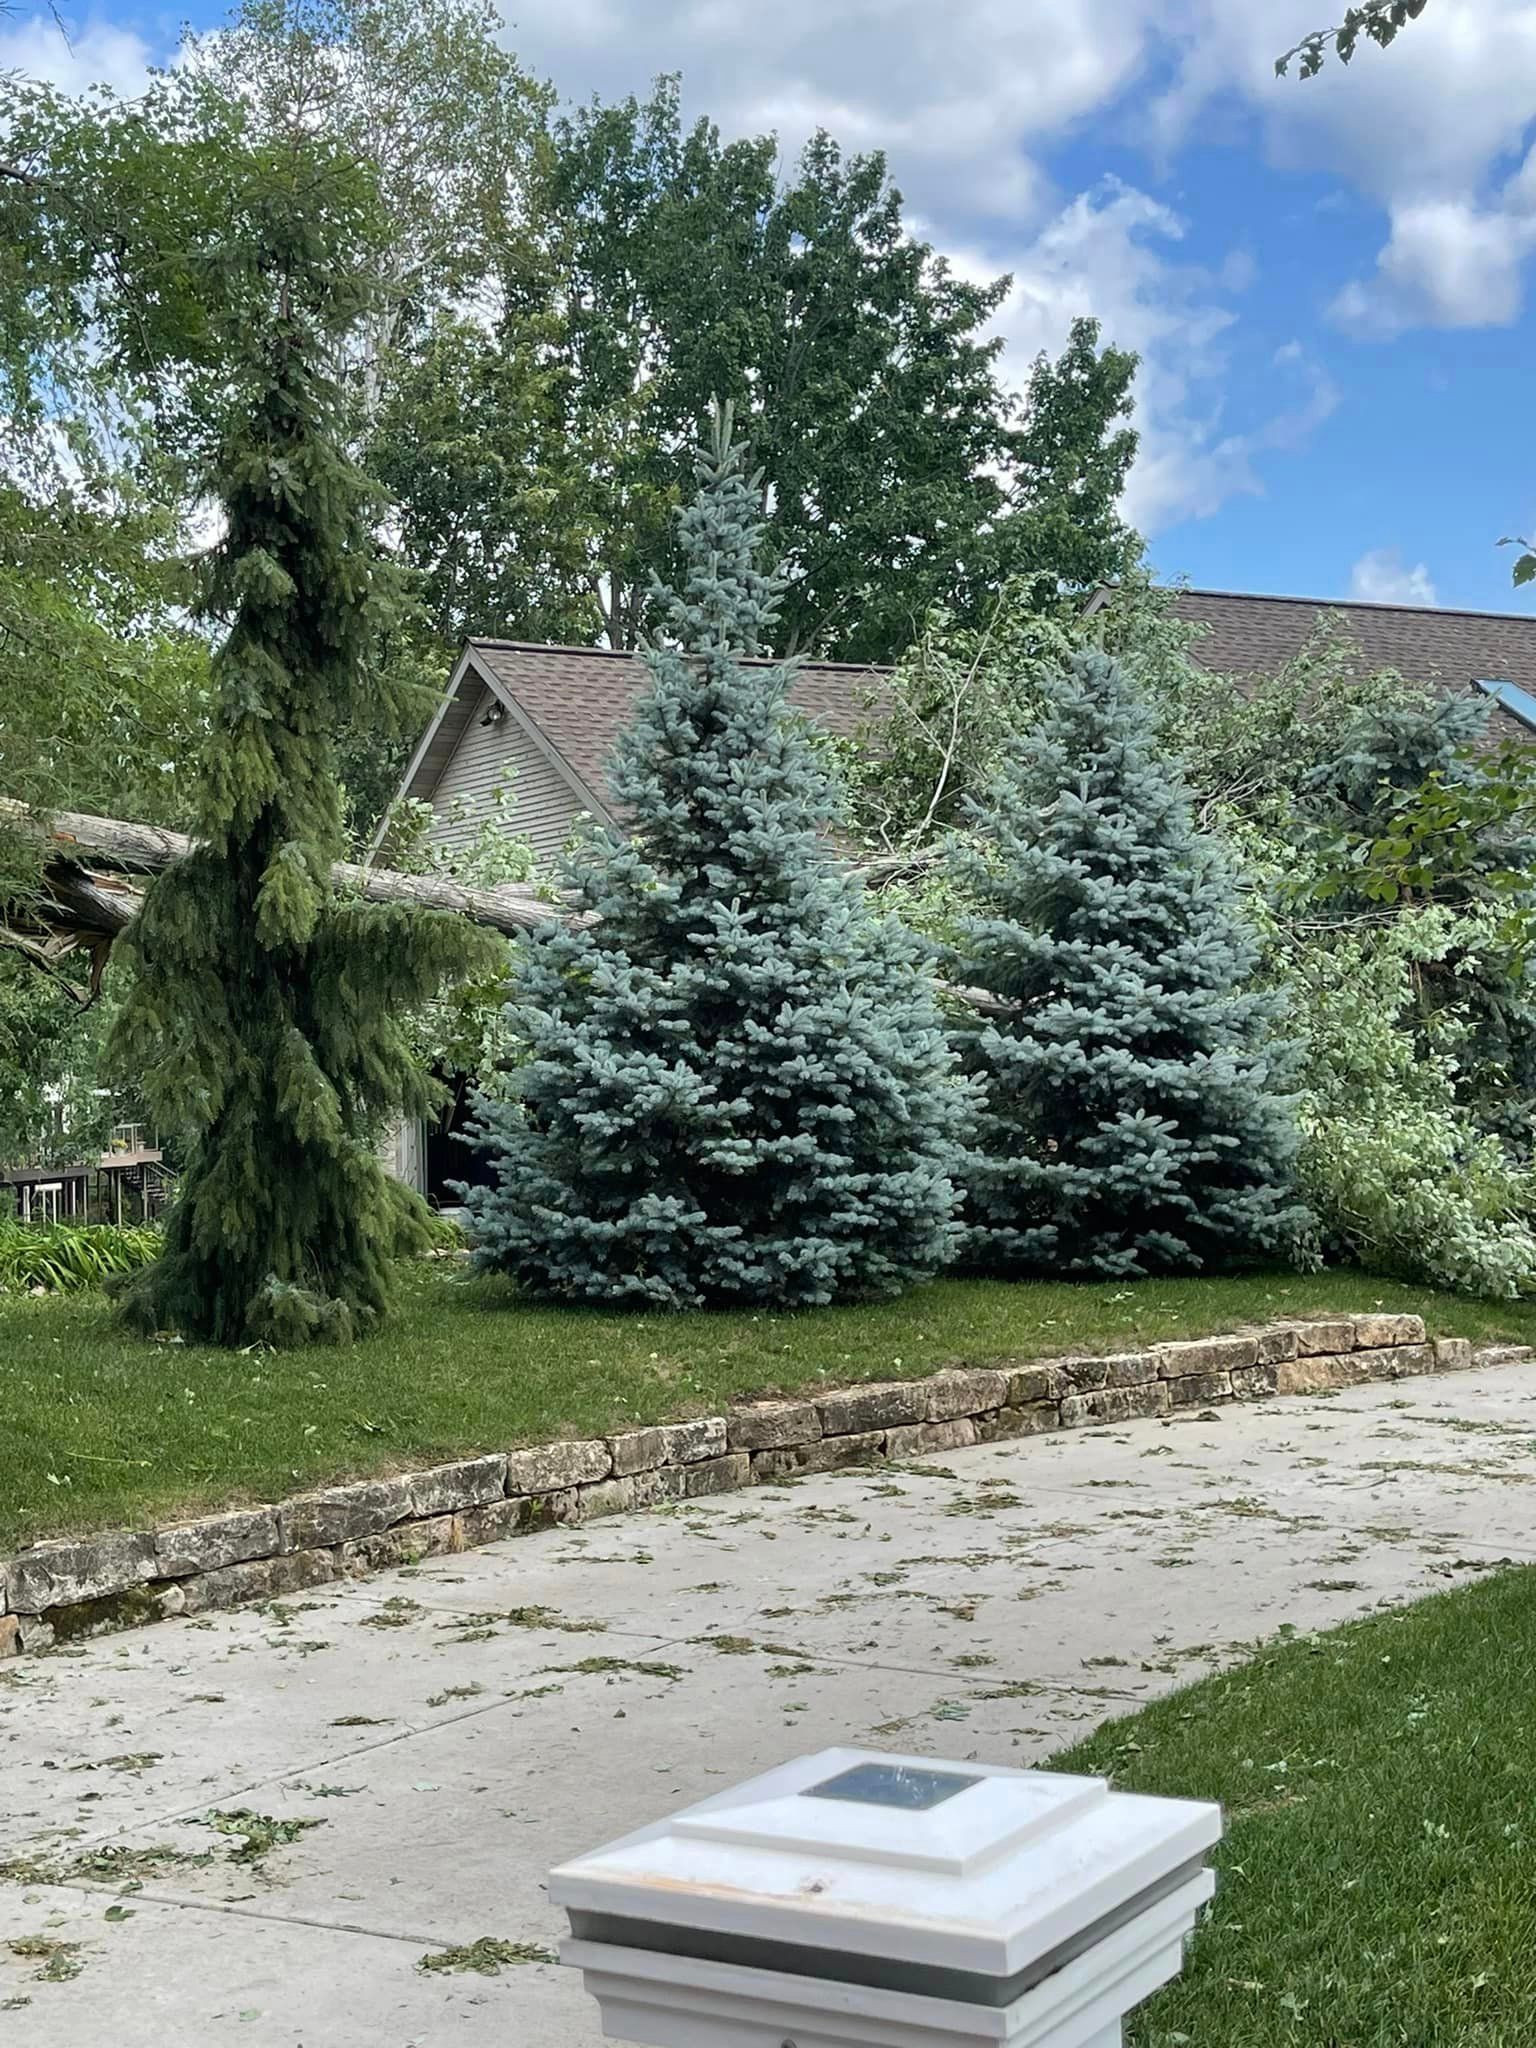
446, 1733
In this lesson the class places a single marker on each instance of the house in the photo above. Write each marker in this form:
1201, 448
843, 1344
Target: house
539, 723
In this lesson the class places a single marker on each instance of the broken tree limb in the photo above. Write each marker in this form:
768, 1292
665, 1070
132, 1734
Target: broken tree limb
90, 895
87, 861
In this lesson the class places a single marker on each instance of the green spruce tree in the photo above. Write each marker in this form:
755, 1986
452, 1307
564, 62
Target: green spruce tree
265, 1011
737, 1088
1135, 1112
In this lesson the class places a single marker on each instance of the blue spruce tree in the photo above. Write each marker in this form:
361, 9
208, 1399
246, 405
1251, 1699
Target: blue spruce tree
1134, 1112
737, 1086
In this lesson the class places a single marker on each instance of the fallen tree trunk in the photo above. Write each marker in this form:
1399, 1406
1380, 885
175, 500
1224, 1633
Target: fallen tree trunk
90, 897
88, 860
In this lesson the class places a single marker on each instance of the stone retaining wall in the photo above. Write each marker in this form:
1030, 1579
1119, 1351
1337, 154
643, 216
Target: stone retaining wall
56, 1591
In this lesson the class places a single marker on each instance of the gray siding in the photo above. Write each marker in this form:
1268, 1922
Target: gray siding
494, 757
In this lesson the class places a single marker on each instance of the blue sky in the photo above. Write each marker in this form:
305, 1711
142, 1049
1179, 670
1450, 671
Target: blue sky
1327, 281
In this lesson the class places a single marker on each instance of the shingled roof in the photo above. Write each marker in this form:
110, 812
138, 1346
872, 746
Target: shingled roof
577, 699
1249, 635
581, 697
571, 702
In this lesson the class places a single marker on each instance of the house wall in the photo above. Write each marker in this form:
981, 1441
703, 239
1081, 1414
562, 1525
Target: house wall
489, 758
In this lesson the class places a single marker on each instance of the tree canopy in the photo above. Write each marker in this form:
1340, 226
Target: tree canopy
537, 464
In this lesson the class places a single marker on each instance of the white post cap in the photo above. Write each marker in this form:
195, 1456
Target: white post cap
959, 1878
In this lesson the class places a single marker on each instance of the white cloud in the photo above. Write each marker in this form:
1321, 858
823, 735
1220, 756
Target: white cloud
1447, 263
1425, 129
1112, 253
1382, 577
101, 53
958, 95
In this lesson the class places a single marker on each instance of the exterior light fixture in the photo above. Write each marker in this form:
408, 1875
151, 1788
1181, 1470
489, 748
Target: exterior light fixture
495, 714
854, 1900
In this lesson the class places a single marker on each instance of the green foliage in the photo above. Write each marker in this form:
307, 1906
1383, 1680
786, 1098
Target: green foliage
737, 1088
942, 724
99, 675
539, 466
1410, 812
423, 95
1249, 744
1399, 1173
494, 504
265, 1010
468, 1029
1135, 1108
939, 725
1379, 21
59, 1258
52, 1107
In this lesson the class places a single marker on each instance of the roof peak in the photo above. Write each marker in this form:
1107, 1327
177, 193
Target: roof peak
638, 653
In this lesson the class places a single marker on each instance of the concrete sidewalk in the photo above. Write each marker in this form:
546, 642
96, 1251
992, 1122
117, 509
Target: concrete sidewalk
450, 1731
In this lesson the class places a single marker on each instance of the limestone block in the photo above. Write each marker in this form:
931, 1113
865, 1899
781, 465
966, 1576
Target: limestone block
1256, 1382
408, 1543
1030, 1384
263, 1578
548, 1467
672, 1443
1312, 1373
919, 1439
865, 1448
87, 1568
769, 1425
213, 1541
858, 1410
1199, 1389
340, 1514
1206, 1354
1115, 1404
499, 1519
1031, 1420
970, 1391
467, 1483
1324, 1339
1453, 1354
1374, 1333
606, 1497
1280, 1342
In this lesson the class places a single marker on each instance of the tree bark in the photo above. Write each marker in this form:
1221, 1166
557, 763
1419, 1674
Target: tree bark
92, 903
89, 895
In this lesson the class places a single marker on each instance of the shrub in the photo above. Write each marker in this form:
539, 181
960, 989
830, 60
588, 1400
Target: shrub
63, 1257
1398, 1171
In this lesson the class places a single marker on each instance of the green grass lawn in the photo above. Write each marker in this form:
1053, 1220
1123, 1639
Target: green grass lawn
1378, 1881
98, 1428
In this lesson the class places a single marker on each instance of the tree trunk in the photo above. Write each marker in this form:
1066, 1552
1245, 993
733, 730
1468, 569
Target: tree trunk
89, 897
82, 899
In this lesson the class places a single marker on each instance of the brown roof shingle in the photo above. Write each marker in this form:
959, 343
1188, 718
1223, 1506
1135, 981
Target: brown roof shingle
1256, 636
580, 697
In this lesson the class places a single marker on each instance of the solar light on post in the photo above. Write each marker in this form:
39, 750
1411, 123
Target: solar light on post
854, 1900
